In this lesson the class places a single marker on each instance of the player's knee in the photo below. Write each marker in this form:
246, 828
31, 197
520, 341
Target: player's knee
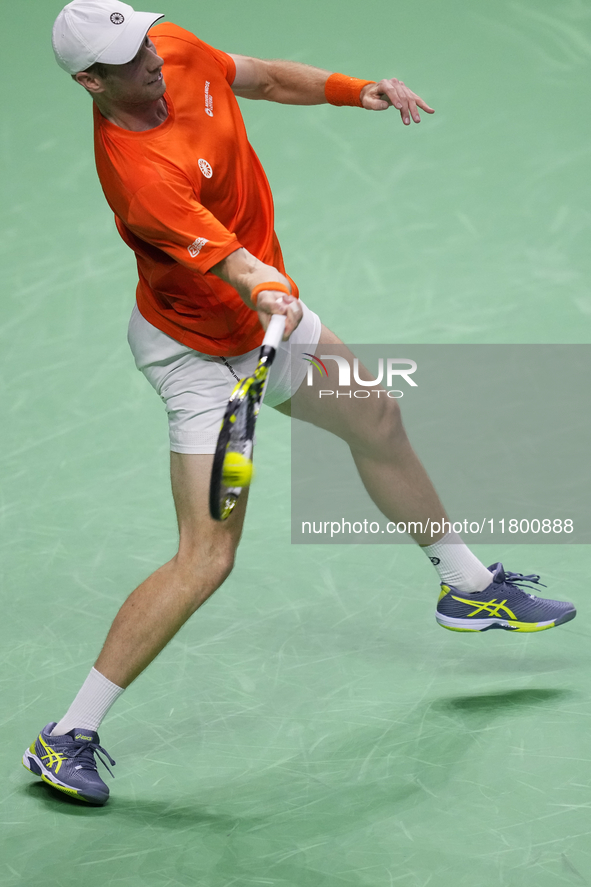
224, 565
391, 418
389, 431
384, 433
205, 569
219, 565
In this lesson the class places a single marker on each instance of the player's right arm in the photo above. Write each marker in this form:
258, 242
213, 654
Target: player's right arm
244, 271
192, 236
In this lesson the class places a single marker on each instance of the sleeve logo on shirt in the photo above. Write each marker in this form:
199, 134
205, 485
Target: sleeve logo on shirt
196, 247
205, 168
208, 100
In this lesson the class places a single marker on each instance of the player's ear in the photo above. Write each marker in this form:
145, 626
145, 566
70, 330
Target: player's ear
91, 82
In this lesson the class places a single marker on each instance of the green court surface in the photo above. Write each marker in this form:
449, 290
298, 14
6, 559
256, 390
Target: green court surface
311, 726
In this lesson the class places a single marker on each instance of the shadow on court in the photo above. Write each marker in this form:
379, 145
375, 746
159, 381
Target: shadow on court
372, 773
340, 803
499, 703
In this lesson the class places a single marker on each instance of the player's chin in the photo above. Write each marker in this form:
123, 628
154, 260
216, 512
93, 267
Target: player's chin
157, 88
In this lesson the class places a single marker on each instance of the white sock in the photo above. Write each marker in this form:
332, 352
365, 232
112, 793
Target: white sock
94, 699
456, 564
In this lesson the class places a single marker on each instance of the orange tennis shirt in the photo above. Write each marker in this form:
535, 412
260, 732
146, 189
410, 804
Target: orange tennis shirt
187, 194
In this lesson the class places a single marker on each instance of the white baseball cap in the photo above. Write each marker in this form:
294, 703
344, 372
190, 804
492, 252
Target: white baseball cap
107, 31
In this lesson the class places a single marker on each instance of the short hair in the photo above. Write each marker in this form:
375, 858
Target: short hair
98, 69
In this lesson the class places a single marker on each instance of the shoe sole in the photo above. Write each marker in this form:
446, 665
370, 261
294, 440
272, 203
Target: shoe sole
506, 624
32, 763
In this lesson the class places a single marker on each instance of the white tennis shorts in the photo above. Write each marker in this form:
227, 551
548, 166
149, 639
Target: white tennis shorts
195, 387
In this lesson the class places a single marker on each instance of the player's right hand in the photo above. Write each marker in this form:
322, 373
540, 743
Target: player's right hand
271, 302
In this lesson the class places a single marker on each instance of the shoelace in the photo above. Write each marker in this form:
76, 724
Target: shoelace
86, 754
518, 579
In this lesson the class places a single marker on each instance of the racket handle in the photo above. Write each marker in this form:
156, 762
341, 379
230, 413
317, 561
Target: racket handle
274, 333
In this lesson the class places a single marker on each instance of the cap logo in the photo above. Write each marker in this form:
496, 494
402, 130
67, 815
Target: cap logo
117, 18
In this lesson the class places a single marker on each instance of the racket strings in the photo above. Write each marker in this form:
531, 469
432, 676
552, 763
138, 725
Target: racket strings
240, 440
240, 427
237, 433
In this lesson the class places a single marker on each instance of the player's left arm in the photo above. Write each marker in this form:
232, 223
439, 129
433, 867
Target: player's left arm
292, 83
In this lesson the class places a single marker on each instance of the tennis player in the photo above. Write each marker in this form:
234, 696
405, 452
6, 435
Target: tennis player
191, 200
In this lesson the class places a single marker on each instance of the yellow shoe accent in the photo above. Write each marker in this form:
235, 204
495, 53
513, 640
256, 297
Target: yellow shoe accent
51, 757
454, 628
491, 608
445, 589
510, 625
61, 788
530, 626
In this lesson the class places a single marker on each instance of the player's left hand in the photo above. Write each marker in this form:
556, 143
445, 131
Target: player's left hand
380, 96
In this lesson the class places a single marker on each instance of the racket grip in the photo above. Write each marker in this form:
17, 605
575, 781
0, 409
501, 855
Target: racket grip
274, 333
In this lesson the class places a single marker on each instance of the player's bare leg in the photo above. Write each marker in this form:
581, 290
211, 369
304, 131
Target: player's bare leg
398, 484
63, 754
389, 468
155, 611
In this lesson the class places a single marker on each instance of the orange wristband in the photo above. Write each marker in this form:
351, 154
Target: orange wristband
342, 90
274, 285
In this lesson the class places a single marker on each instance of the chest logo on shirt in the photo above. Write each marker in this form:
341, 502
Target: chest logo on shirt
208, 100
205, 168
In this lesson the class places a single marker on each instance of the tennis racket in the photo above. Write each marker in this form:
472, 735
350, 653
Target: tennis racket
232, 463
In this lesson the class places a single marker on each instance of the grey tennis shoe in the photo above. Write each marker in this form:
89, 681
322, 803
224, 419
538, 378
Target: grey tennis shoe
67, 763
507, 603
